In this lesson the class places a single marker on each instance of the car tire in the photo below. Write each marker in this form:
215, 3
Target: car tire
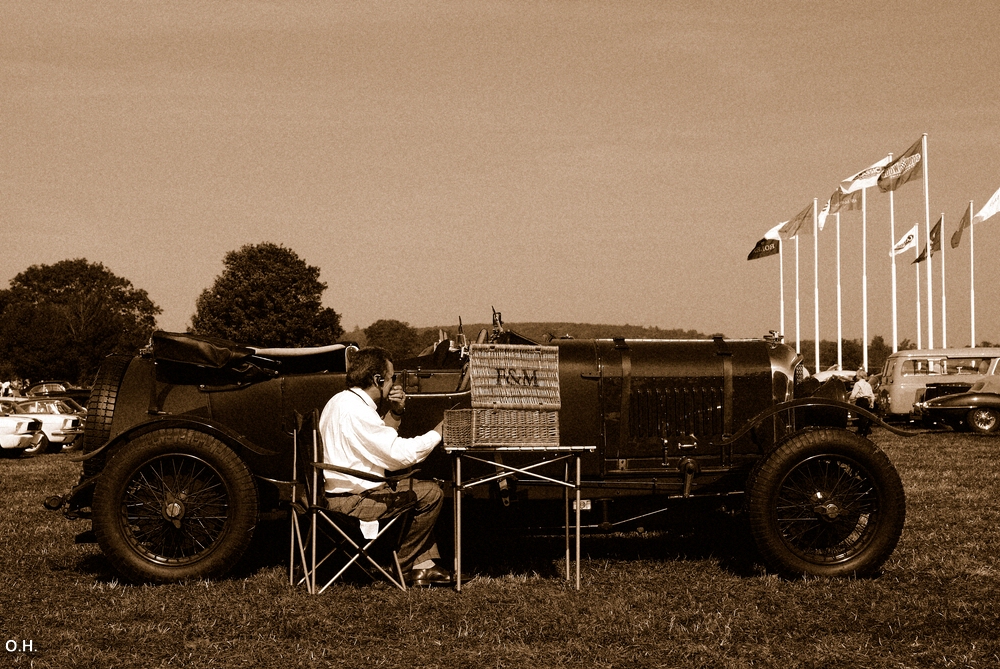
41, 446
174, 504
983, 420
101, 410
825, 503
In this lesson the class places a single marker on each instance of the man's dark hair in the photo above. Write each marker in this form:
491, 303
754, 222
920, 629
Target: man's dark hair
365, 364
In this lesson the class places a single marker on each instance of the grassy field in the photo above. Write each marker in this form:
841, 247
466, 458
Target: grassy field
647, 601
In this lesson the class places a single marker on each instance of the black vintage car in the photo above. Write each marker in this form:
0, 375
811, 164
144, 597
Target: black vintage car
188, 446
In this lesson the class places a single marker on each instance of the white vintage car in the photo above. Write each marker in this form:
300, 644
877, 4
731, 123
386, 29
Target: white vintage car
61, 423
18, 433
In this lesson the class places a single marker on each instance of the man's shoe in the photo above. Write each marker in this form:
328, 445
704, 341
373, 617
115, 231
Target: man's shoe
426, 577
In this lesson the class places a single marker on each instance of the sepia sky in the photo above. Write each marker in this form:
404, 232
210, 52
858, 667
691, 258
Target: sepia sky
603, 162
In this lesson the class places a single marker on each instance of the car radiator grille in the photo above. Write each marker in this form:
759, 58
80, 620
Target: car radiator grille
671, 410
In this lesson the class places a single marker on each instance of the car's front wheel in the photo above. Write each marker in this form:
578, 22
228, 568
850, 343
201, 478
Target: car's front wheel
826, 503
38, 446
983, 420
174, 504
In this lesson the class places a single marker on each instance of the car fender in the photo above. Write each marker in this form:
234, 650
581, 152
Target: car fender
968, 400
239, 444
81, 493
813, 403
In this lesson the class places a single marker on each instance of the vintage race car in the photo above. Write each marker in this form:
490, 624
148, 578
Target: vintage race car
188, 446
977, 409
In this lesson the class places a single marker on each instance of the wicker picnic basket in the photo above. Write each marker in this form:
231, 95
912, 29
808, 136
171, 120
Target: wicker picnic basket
485, 428
514, 376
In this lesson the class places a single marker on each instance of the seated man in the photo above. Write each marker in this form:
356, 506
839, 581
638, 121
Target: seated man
356, 437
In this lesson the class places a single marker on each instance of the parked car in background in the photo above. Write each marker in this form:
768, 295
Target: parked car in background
59, 389
908, 376
18, 433
61, 424
834, 373
976, 410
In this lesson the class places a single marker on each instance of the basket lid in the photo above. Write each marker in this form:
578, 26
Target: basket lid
514, 376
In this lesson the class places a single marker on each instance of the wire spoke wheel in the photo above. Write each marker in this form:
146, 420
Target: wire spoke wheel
826, 502
175, 508
824, 508
174, 504
983, 420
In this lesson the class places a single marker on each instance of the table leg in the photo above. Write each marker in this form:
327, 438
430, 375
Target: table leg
577, 488
457, 492
566, 499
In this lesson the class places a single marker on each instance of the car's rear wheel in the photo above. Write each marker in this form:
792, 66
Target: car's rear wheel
174, 504
826, 503
983, 420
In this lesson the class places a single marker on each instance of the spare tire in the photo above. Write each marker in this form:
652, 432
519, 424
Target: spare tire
101, 410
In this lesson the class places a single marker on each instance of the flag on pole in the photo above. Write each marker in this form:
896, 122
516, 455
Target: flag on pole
821, 216
769, 245
844, 201
765, 247
907, 167
991, 207
907, 241
865, 178
935, 243
966, 221
793, 227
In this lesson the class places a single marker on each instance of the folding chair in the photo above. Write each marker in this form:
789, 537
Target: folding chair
325, 539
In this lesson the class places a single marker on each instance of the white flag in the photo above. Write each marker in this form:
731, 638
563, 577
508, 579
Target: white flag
821, 217
775, 232
990, 208
908, 241
865, 178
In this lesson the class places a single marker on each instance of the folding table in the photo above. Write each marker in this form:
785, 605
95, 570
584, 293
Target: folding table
492, 456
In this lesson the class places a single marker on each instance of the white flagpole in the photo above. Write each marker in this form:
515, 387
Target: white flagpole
798, 327
927, 236
916, 254
972, 279
864, 274
840, 336
944, 310
816, 277
892, 244
781, 282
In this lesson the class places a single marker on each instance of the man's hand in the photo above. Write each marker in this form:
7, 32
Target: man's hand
397, 400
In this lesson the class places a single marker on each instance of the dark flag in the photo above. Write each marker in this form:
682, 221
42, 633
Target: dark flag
908, 166
765, 247
935, 243
966, 221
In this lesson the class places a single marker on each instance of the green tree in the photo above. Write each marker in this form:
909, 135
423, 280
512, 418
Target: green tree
397, 337
878, 351
62, 320
267, 296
